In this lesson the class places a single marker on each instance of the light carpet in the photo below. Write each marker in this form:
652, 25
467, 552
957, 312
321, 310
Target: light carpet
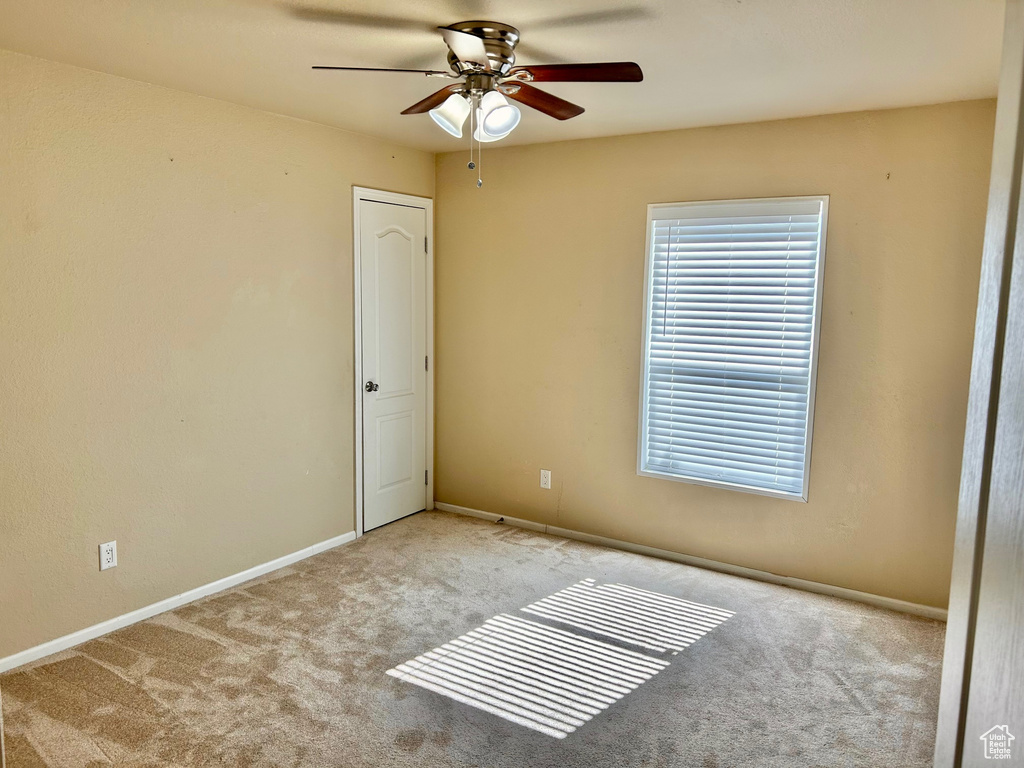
291, 669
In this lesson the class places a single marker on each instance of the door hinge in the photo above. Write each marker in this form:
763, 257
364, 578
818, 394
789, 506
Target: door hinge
425, 482
425, 249
426, 363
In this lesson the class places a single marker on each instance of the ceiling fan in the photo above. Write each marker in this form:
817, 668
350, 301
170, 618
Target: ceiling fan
481, 55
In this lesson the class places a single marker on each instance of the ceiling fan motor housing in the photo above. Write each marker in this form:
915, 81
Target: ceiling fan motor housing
499, 41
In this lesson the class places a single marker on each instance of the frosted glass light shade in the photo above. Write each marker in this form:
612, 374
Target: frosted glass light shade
452, 114
479, 134
497, 118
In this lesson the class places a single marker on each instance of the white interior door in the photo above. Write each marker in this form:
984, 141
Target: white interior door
393, 259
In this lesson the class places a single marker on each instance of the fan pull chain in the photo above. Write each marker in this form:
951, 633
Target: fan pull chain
479, 164
474, 103
472, 117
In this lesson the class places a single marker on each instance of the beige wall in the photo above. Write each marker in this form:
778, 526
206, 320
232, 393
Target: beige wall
175, 339
539, 311
176, 351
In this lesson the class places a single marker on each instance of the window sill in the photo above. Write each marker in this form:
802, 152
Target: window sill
722, 484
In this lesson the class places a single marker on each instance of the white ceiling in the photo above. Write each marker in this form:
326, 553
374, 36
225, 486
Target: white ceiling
706, 62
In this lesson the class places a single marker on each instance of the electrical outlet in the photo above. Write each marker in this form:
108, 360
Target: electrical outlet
545, 479
108, 555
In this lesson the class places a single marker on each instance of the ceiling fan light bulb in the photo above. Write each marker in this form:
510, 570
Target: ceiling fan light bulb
497, 117
451, 115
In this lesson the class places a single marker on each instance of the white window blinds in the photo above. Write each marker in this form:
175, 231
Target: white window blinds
733, 294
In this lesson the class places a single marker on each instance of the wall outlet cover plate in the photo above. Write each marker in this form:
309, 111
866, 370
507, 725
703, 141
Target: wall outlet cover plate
108, 555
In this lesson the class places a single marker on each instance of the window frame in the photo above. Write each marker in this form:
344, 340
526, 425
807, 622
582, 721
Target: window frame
652, 215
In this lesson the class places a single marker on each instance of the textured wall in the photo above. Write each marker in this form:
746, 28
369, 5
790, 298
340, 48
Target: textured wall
540, 280
175, 338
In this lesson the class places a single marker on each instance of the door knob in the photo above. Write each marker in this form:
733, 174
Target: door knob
371, 387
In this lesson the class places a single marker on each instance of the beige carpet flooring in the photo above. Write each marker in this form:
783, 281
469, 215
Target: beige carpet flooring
291, 669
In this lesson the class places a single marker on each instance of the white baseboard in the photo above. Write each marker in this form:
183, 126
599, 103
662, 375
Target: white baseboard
105, 627
927, 611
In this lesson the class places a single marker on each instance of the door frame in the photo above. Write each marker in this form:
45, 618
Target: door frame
359, 195
980, 641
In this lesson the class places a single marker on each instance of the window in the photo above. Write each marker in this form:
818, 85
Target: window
730, 342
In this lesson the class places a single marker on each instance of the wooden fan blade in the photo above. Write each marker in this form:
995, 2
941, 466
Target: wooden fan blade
466, 47
433, 100
541, 100
388, 69
605, 72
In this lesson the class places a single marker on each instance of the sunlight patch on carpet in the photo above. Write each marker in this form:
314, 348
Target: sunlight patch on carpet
635, 616
553, 680
531, 674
